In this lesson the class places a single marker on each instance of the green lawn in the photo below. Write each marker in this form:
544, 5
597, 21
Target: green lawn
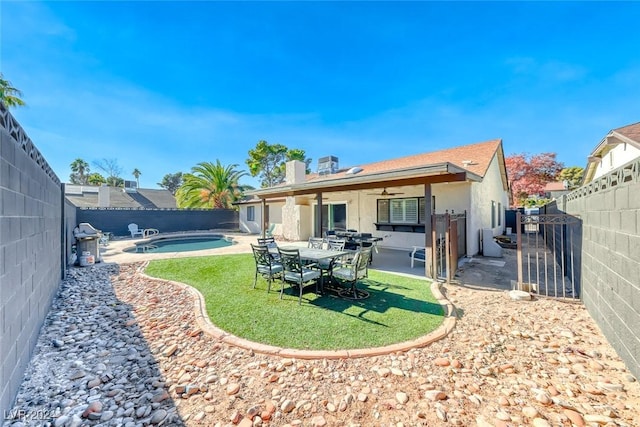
398, 309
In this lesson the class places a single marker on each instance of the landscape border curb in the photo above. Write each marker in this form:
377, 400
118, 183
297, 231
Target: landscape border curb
205, 324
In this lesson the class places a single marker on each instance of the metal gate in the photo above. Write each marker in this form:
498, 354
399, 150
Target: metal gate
449, 242
546, 258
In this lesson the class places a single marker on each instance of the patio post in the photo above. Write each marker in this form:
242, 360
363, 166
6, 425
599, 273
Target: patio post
428, 238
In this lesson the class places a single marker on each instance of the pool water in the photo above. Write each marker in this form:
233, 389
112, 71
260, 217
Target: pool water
187, 244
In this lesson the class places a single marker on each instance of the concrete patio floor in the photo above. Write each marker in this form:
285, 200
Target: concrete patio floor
478, 271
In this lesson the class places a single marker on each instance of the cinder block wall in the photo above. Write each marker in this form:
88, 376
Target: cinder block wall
30, 250
610, 264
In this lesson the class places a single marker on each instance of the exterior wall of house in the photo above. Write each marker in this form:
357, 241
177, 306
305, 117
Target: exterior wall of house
255, 226
618, 156
488, 199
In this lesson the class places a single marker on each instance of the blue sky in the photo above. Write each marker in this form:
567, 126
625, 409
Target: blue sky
162, 86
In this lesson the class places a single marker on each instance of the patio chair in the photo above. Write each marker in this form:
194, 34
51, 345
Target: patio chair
326, 266
417, 254
316, 243
135, 231
351, 273
270, 242
265, 265
295, 272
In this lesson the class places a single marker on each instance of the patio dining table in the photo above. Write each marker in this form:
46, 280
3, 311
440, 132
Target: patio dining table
314, 255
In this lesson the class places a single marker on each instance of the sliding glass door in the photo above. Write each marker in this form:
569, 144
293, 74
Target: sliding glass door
334, 217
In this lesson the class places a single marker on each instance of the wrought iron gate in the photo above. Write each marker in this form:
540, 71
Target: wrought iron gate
547, 263
449, 242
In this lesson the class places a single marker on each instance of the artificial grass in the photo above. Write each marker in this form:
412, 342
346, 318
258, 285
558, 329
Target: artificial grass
399, 308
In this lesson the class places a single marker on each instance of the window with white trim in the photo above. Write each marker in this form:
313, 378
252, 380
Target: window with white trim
251, 213
404, 211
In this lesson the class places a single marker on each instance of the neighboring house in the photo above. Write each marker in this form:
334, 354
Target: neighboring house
90, 196
619, 147
554, 190
390, 198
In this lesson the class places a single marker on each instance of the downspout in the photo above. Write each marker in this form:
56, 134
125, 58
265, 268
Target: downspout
265, 219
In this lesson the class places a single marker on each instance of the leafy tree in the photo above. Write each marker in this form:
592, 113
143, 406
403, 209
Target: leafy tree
96, 179
171, 181
113, 171
572, 175
269, 162
9, 95
80, 172
136, 174
528, 174
210, 185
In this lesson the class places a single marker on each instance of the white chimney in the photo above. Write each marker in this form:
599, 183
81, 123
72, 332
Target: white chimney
295, 172
104, 196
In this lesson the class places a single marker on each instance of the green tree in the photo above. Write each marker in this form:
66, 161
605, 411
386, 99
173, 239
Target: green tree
171, 181
96, 179
268, 161
136, 174
210, 185
572, 175
79, 172
9, 95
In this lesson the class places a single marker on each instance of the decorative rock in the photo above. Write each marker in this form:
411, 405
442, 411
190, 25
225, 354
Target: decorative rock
168, 352
94, 407
233, 388
575, 417
287, 406
519, 295
318, 421
402, 397
540, 422
441, 361
435, 395
530, 412
158, 416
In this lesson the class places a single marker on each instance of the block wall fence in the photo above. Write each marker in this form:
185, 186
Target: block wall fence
609, 208
31, 250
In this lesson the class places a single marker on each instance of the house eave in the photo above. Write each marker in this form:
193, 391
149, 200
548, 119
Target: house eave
436, 173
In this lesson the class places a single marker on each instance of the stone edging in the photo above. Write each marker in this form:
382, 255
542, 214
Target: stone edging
203, 321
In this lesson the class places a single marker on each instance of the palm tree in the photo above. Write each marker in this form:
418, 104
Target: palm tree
80, 170
136, 174
9, 95
210, 185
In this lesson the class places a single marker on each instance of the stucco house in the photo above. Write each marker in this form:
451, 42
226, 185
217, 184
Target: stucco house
618, 147
389, 198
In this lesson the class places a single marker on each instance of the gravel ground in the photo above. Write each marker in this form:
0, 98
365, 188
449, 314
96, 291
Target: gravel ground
119, 349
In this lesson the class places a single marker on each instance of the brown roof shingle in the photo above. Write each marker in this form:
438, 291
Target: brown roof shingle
479, 154
630, 131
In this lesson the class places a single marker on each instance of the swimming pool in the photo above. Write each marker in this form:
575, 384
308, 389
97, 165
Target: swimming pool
181, 244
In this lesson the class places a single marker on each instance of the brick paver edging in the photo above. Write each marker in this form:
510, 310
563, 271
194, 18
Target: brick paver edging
202, 318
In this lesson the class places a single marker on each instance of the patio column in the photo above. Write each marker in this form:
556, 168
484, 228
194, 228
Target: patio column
317, 229
428, 230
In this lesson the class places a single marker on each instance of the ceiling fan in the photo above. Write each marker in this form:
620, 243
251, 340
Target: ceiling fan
384, 193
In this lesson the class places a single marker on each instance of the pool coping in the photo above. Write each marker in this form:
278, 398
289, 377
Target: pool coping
205, 324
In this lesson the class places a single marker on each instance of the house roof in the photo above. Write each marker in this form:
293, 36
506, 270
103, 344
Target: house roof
87, 197
629, 134
554, 186
468, 162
